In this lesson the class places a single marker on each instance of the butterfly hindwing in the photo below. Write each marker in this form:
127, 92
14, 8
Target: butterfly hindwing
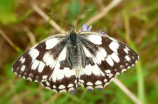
110, 57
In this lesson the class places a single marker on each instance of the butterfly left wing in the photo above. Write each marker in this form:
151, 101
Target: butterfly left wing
109, 58
41, 63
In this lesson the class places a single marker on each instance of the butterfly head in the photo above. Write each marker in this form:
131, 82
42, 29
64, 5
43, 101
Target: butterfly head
72, 29
72, 34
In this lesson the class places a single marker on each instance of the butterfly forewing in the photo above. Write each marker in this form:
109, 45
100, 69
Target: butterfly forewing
110, 57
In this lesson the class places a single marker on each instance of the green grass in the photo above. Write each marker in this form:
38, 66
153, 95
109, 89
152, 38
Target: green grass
136, 19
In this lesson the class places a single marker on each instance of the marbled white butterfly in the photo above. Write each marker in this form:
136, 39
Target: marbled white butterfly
63, 61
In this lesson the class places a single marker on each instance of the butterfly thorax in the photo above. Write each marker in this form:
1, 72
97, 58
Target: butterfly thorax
75, 53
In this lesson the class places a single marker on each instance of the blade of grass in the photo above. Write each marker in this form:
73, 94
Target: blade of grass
42, 14
140, 82
138, 65
102, 13
140, 79
10, 42
125, 90
25, 15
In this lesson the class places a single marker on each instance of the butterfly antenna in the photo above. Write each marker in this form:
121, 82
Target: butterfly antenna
59, 18
80, 16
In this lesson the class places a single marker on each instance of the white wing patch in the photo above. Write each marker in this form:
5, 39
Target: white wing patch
87, 53
35, 64
109, 61
22, 60
127, 58
115, 57
89, 83
59, 74
50, 60
98, 82
70, 85
114, 46
96, 39
23, 68
89, 69
126, 49
103, 52
46, 56
34, 53
41, 67
99, 57
50, 43
62, 55
61, 87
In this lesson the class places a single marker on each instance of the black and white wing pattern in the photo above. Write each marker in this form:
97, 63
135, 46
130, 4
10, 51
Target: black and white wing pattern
64, 61
109, 57
41, 63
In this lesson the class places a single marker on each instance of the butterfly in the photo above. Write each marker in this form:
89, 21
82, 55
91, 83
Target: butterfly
62, 62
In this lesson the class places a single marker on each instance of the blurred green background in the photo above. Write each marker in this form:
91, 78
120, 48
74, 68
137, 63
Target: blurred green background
134, 22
